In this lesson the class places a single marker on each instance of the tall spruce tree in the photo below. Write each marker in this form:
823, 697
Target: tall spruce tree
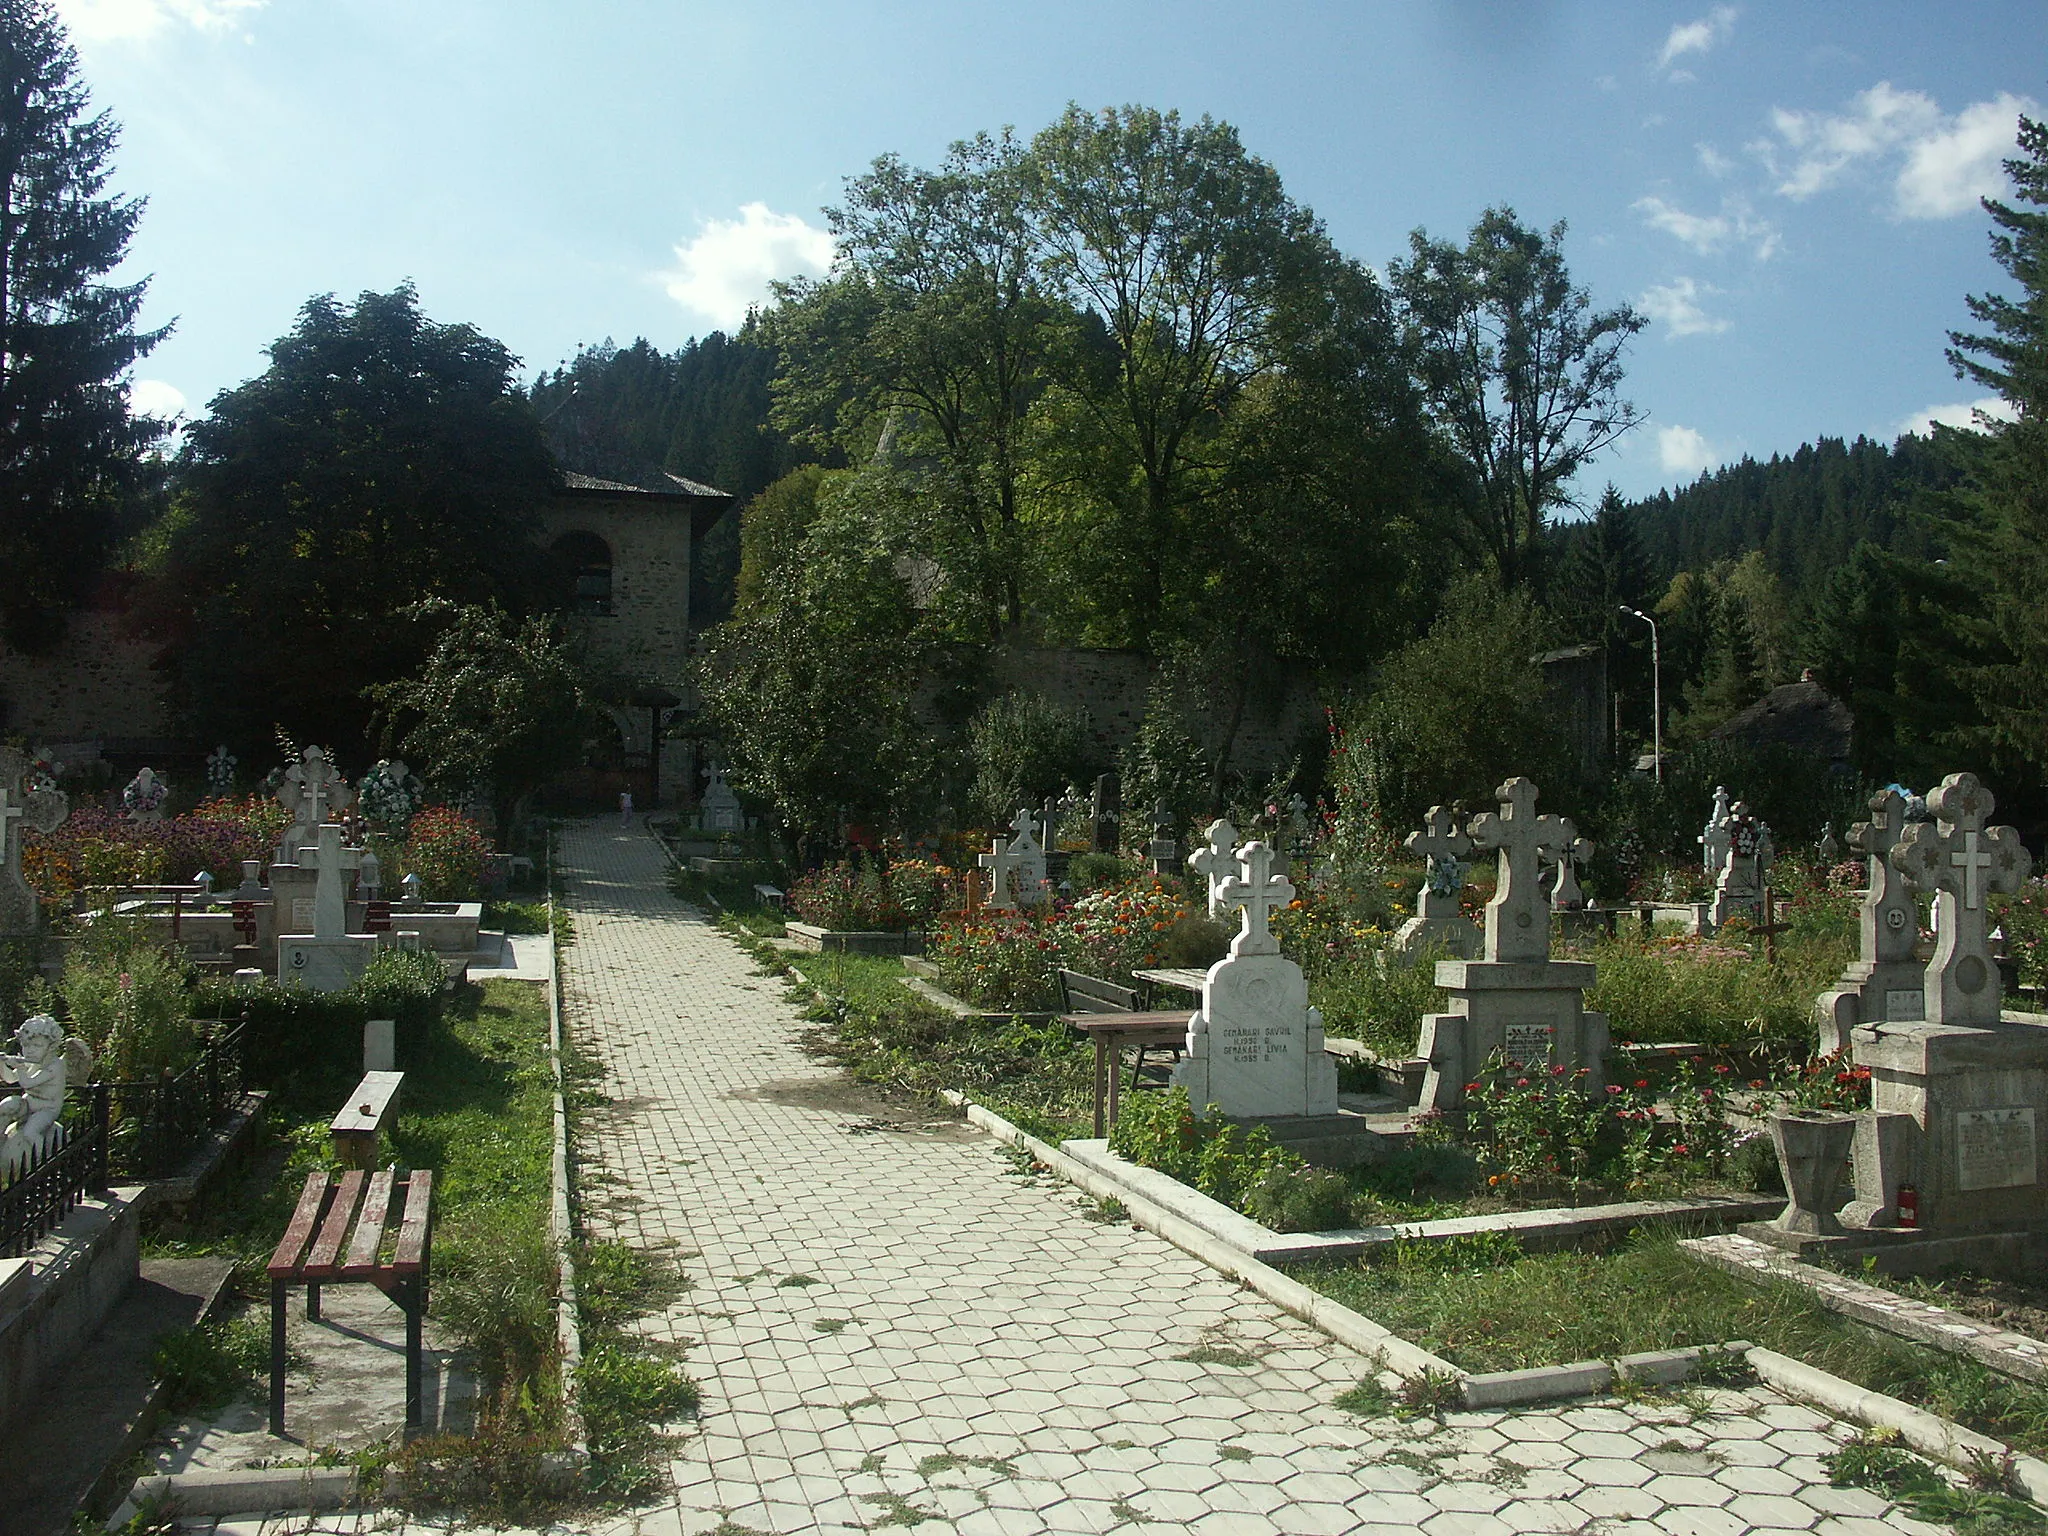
2001, 536
71, 456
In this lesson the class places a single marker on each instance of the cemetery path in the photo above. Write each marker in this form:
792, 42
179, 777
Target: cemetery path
894, 1327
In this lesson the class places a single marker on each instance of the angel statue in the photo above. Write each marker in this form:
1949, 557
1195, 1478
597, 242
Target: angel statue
48, 1061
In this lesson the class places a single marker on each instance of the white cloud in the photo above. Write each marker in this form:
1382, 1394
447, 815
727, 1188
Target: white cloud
1677, 305
1697, 36
1962, 413
1712, 161
726, 270
153, 397
99, 21
1709, 232
1946, 163
1682, 451
1948, 171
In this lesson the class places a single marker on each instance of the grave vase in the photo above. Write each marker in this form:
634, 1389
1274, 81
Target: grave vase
1813, 1148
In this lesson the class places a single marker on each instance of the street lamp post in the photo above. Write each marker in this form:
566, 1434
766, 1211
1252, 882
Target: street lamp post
1656, 691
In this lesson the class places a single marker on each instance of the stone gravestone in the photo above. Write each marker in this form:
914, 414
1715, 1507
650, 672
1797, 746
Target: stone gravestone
1959, 1100
1740, 886
1104, 811
311, 791
1216, 862
24, 806
720, 810
1565, 894
1255, 1047
1029, 855
1886, 980
1164, 851
330, 957
1714, 841
1438, 922
1514, 1002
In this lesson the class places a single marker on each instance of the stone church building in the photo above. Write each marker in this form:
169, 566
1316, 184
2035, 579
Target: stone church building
624, 553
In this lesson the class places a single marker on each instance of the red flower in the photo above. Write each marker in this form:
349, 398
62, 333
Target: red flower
1682, 1150
1614, 1088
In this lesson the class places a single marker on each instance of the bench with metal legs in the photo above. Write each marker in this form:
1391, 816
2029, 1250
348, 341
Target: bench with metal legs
337, 1236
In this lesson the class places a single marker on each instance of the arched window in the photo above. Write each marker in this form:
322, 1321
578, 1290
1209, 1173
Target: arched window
585, 561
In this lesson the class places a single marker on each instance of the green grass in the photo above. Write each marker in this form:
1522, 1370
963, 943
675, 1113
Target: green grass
516, 916
1036, 1075
1485, 1309
732, 899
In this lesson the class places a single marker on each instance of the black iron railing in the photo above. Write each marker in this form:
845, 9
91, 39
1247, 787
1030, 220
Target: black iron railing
156, 1125
48, 1187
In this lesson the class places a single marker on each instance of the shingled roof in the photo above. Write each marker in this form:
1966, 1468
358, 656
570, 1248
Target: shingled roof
706, 503
1801, 714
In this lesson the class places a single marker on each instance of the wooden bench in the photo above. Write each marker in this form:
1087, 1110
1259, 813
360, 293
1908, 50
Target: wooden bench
1111, 1032
337, 1236
1083, 995
370, 1109
769, 896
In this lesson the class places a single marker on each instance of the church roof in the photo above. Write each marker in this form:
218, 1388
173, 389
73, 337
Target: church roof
706, 503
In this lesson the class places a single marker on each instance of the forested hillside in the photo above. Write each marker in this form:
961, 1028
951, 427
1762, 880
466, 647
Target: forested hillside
1805, 511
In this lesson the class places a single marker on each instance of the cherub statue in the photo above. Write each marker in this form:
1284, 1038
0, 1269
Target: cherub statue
48, 1061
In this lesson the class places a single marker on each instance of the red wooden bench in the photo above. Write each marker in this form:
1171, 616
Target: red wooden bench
337, 1236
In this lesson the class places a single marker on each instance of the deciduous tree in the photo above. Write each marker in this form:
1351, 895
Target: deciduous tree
1522, 373
381, 460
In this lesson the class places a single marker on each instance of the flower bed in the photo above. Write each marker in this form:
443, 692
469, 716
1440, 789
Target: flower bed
1010, 960
869, 898
98, 847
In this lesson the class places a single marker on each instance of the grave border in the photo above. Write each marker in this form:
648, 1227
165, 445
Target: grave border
561, 1211
1920, 1322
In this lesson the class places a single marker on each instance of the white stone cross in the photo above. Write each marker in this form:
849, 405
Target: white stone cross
1890, 916
1001, 864
330, 893
1216, 861
1962, 861
1259, 893
1026, 840
1442, 846
311, 789
1565, 894
1518, 918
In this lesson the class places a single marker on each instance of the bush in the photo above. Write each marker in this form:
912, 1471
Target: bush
1715, 992
1024, 748
293, 1030
1224, 1161
130, 1002
848, 898
447, 850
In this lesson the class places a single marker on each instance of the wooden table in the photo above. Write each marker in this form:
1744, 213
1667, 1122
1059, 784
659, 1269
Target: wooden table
1184, 978
1111, 1032
318, 1249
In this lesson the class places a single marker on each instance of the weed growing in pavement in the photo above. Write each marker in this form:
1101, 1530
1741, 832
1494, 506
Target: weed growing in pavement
202, 1368
1369, 1400
1234, 1453
1217, 1354
1431, 1393
1877, 1463
1107, 1211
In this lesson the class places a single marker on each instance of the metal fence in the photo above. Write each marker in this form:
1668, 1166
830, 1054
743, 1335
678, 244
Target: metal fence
48, 1188
156, 1125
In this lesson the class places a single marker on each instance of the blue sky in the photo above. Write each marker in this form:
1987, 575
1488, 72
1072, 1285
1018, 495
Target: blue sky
1788, 191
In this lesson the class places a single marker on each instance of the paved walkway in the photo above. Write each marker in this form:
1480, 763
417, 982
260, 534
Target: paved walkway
896, 1328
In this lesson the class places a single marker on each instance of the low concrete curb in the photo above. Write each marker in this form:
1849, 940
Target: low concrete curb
259, 1492
1536, 1229
1932, 1437
2010, 1354
1355, 1332
561, 1222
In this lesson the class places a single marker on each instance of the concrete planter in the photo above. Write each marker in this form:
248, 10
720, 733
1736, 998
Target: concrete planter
1813, 1154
